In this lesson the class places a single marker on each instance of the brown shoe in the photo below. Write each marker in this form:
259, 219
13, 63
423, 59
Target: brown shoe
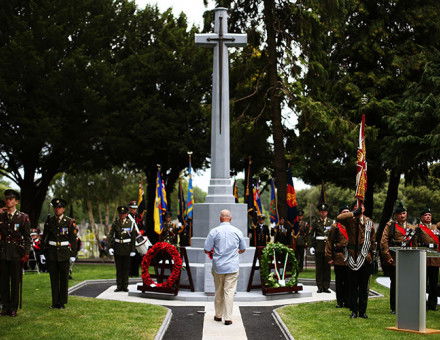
217, 319
228, 322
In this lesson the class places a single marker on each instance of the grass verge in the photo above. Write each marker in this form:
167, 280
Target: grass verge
83, 318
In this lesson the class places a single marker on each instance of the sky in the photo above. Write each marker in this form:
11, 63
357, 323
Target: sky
193, 9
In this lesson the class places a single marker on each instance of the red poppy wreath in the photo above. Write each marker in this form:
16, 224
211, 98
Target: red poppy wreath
151, 254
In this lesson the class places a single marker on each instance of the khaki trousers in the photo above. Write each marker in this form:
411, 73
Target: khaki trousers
225, 286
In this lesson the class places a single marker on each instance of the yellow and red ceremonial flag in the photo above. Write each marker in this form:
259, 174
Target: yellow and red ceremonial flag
140, 193
361, 164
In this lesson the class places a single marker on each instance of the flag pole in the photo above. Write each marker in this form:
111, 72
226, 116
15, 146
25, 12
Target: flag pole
190, 232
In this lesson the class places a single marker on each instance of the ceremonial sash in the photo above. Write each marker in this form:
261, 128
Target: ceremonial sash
400, 229
342, 230
430, 233
356, 264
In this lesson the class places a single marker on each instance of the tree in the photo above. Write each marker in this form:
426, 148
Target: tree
163, 100
55, 81
379, 50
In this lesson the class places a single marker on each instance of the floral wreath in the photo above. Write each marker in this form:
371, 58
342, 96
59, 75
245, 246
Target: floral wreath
276, 279
151, 254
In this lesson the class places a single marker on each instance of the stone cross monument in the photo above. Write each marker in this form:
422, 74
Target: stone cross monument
220, 196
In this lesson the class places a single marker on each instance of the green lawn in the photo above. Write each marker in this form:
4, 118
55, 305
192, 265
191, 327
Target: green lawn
323, 321
83, 318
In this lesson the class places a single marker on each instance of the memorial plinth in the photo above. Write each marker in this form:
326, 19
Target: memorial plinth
411, 290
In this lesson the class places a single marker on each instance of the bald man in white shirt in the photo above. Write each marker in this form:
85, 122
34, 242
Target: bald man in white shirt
225, 243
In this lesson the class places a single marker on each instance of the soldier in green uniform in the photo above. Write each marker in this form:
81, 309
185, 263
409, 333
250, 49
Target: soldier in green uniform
336, 254
318, 238
283, 232
59, 244
170, 231
395, 234
361, 248
428, 235
260, 234
122, 246
15, 242
301, 238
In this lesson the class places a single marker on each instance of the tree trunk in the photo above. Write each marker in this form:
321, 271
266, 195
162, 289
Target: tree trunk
369, 198
101, 221
107, 217
171, 180
90, 214
393, 188
275, 108
33, 193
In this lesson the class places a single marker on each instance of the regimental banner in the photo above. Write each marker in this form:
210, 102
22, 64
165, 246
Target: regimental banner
190, 196
140, 194
361, 164
235, 191
160, 203
292, 204
257, 201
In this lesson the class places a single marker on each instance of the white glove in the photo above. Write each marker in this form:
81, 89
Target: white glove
43, 259
312, 251
72, 259
111, 251
132, 254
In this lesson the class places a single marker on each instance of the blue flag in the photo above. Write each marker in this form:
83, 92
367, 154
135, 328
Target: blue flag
190, 196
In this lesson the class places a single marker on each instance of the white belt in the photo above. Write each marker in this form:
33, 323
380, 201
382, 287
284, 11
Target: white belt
58, 244
125, 240
321, 238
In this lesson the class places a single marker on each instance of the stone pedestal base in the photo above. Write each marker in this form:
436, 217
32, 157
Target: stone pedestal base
207, 217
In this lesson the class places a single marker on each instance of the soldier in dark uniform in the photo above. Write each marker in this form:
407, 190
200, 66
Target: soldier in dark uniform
283, 232
428, 235
15, 242
59, 244
260, 234
302, 237
186, 233
121, 239
361, 247
336, 254
170, 231
135, 261
318, 238
394, 235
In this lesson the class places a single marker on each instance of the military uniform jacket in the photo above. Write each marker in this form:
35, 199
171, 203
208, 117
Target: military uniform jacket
303, 234
354, 245
262, 234
423, 239
319, 233
392, 237
283, 234
169, 233
59, 239
15, 238
336, 246
122, 237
